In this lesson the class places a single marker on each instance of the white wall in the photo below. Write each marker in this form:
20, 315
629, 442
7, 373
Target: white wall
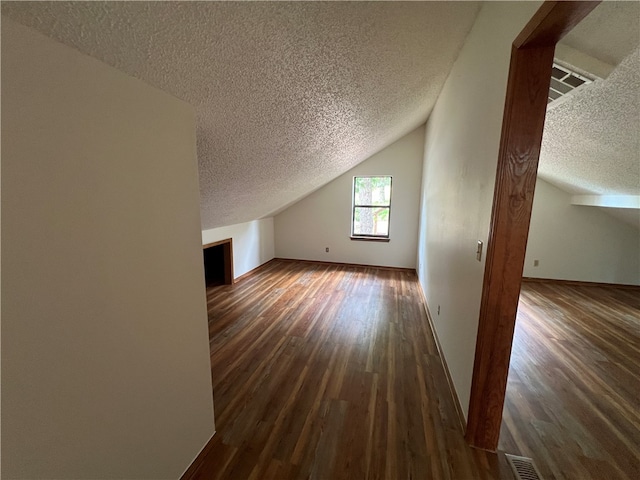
323, 219
105, 354
252, 243
461, 152
575, 242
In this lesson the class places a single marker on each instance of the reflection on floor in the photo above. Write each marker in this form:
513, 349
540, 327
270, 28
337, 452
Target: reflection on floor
573, 395
331, 372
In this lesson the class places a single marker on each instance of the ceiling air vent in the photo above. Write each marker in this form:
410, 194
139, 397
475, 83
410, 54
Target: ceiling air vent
564, 81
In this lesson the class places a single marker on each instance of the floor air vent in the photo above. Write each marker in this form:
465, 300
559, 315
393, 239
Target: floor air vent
523, 468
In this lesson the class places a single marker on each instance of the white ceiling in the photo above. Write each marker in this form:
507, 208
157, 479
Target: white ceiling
591, 142
591, 139
609, 33
288, 95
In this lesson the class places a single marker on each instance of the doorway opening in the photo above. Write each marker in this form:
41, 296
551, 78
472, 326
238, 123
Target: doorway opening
218, 263
532, 55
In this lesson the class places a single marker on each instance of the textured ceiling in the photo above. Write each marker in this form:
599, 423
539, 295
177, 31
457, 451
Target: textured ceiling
591, 140
608, 32
287, 95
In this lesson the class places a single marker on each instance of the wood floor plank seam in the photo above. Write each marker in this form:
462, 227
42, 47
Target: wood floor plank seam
573, 394
331, 372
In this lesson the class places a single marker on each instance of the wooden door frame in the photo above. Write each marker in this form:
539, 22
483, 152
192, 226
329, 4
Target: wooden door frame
522, 126
227, 244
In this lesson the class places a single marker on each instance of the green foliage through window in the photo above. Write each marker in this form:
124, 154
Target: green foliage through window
371, 206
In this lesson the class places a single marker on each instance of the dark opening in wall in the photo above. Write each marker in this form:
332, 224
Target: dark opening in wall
218, 265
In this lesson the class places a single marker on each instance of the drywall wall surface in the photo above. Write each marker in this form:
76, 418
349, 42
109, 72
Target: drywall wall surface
461, 152
323, 219
105, 352
252, 243
577, 242
288, 95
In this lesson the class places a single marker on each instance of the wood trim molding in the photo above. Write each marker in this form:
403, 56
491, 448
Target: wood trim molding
215, 244
552, 21
580, 283
522, 127
192, 472
248, 274
445, 366
228, 258
319, 262
513, 197
370, 239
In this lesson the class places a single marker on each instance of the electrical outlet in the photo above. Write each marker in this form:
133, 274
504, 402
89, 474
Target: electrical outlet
326, 249
536, 263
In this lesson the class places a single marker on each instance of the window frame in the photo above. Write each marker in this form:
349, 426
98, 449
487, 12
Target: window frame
369, 237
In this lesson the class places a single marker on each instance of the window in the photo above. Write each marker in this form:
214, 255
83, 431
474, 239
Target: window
371, 208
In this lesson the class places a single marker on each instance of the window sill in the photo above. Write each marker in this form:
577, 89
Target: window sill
369, 239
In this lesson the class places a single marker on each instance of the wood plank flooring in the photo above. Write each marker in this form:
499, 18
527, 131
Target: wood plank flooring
331, 372
573, 393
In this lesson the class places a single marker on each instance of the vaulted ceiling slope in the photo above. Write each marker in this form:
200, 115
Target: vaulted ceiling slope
591, 142
287, 95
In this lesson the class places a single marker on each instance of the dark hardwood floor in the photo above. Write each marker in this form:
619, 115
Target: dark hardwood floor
573, 393
331, 372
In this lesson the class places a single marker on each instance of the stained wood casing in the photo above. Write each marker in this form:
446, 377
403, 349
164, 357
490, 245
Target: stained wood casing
523, 123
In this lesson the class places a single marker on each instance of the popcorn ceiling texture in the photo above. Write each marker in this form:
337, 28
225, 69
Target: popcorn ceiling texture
287, 95
609, 33
591, 141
